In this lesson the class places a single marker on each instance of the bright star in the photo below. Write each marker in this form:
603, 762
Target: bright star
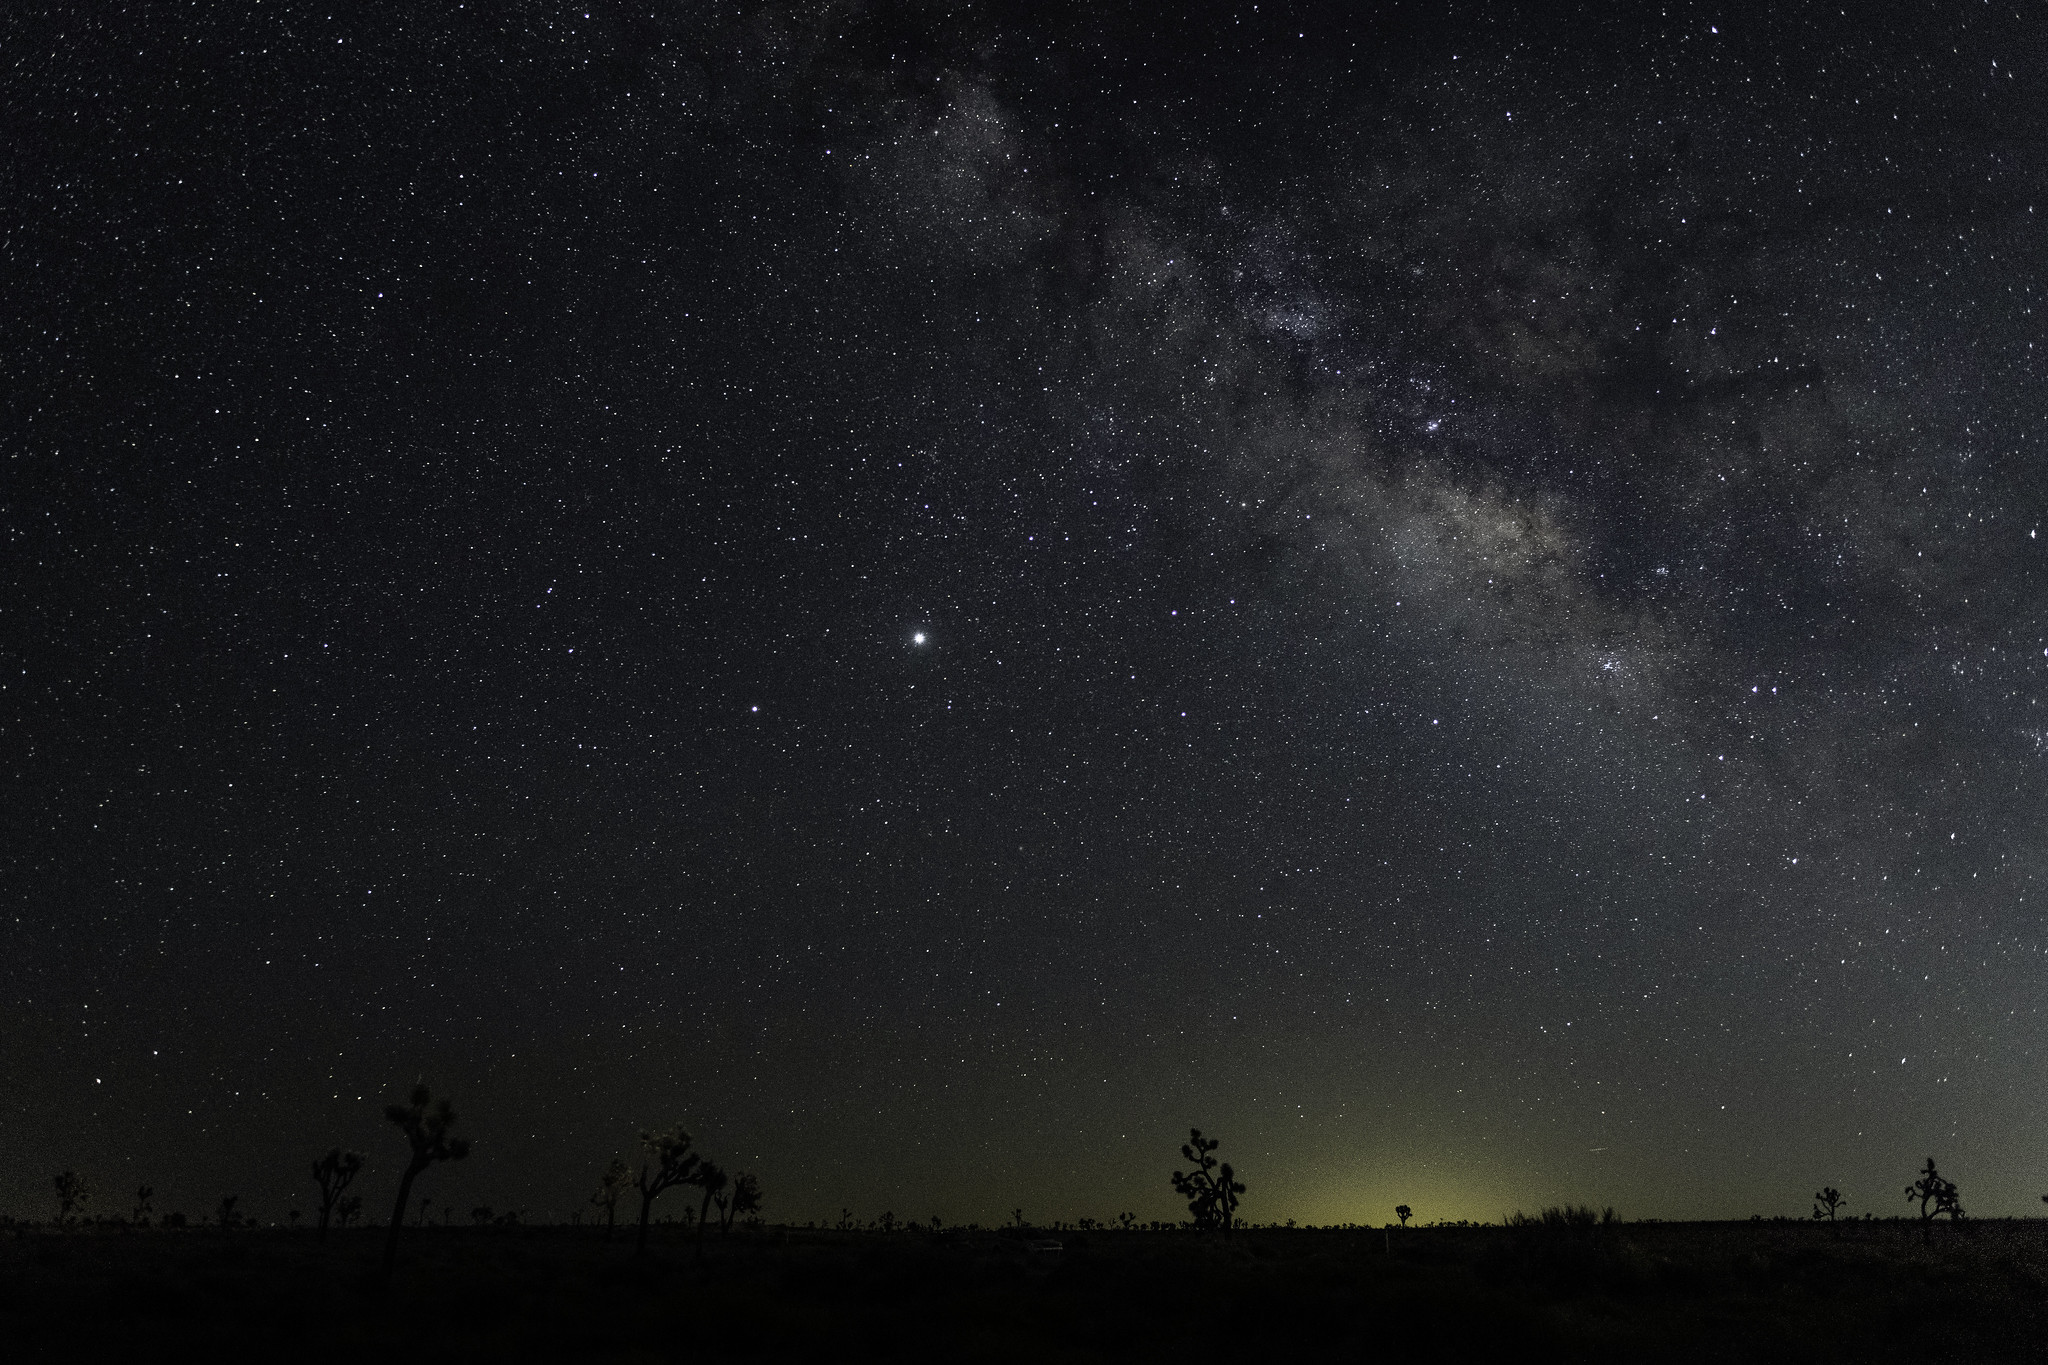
918, 638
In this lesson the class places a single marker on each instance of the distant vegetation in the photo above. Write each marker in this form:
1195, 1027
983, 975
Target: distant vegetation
333, 1173
743, 1198
1563, 1217
1936, 1195
1559, 1283
72, 1194
610, 1186
1211, 1188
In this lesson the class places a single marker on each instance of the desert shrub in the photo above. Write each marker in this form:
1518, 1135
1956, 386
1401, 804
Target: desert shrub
73, 1191
1567, 1249
1562, 1217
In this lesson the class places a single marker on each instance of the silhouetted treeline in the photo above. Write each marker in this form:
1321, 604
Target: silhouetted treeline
1210, 1186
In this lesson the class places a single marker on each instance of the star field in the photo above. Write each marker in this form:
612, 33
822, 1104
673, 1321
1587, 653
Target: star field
940, 594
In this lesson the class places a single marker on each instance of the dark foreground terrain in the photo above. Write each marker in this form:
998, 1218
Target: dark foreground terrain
1719, 1292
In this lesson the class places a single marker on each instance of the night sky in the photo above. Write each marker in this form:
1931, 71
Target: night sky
1450, 594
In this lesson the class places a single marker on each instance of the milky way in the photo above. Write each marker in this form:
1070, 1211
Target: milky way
1455, 602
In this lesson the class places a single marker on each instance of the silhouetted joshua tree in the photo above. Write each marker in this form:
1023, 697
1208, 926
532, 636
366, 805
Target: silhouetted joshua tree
669, 1162
72, 1194
744, 1197
143, 1208
1936, 1195
1211, 1190
333, 1173
1404, 1213
1827, 1202
713, 1179
610, 1186
425, 1122
225, 1215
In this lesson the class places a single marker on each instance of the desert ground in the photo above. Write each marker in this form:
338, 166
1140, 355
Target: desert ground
1863, 1291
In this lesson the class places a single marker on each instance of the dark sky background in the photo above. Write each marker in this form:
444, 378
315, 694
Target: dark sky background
939, 593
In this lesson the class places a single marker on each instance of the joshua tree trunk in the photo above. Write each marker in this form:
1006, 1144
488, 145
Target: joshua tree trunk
398, 1216
640, 1243
706, 1208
